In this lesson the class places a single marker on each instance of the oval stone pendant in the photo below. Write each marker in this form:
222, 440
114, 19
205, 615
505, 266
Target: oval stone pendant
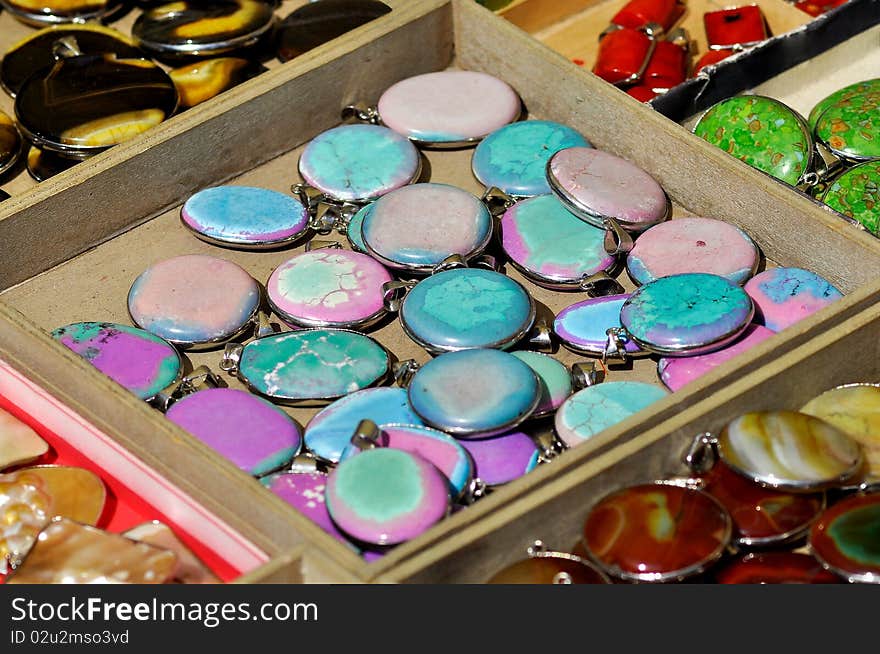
844, 538
550, 568
204, 80
199, 29
855, 410
866, 87
359, 163
19, 444
47, 12
255, 435
450, 108
693, 245
677, 372
657, 532
10, 143
245, 217
312, 364
499, 460
775, 568
553, 377
761, 131
467, 308
598, 186
789, 451
850, 128
514, 158
134, 358
687, 314
785, 296
856, 194
386, 496
414, 228
82, 105
194, 300
36, 52
317, 23
354, 229
328, 288
551, 246
474, 392
440, 449
596, 408
582, 327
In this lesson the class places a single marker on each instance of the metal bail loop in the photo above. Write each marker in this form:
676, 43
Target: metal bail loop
617, 239
366, 435
361, 113
304, 463
701, 455
562, 578
200, 378
66, 47
475, 490
497, 201
451, 262
324, 218
541, 337
536, 549
550, 446
600, 284
323, 245
309, 196
587, 373
403, 371
615, 347
231, 358
485, 261
262, 326
393, 294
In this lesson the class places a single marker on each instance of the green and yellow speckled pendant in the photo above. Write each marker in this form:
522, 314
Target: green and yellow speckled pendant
763, 132
856, 194
850, 128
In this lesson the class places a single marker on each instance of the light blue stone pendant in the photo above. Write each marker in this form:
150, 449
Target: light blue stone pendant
583, 326
514, 158
474, 393
308, 365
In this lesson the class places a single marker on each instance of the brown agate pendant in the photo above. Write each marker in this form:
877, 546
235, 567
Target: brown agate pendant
42, 165
47, 12
205, 79
319, 22
10, 143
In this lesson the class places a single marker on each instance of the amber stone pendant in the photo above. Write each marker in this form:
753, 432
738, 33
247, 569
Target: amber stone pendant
318, 22
47, 12
203, 80
85, 104
197, 28
41, 165
37, 51
10, 143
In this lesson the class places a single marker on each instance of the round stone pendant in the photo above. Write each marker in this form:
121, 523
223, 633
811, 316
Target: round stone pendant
194, 300
416, 227
657, 532
785, 296
845, 538
386, 496
850, 128
10, 143
551, 246
467, 308
136, 359
596, 408
855, 410
443, 451
449, 108
204, 80
499, 460
199, 29
82, 105
328, 288
775, 568
554, 379
249, 431
789, 451
514, 158
677, 372
474, 392
36, 51
598, 186
687, 314
41, 165
550, 568
354, 229
312, 364
317, 23
582, 327
856, 194
359, 163
330, 431
47, 12
245, 217
761, 516
763, 132
866, 87
693, 245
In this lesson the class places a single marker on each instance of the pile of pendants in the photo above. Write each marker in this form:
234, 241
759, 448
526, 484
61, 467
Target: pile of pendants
834, 153
81, 87
379, 464
774, 497
48, 524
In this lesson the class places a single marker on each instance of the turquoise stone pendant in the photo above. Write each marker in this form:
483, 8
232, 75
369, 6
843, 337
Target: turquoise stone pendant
312, 364
583, 326
554, 378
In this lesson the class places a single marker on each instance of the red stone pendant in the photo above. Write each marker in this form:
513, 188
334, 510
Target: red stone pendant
846, 538
639, 13
623, 56
657, 532
818, 7
775, 568
738, 26
711, 57
545, 567
667, 67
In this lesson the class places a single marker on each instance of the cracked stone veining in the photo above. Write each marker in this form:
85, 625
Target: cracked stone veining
784, 296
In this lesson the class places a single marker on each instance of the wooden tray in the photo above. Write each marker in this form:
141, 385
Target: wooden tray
73, 244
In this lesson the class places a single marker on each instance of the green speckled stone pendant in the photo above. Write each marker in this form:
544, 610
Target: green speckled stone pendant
763, 132
856, 194
850, 129
859, 88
